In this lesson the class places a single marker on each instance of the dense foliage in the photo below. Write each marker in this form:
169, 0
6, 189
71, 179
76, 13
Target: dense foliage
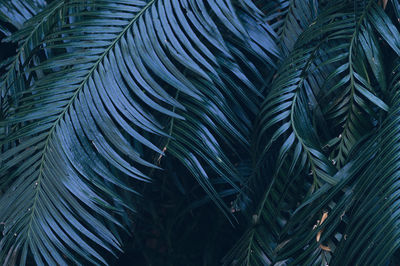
190, 132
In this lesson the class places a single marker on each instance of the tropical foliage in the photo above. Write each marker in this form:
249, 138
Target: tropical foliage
187, 132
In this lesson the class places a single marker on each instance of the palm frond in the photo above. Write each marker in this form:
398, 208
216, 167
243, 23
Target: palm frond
289, 151
348, 100
17, 12
119, 78
298, 17
357, 208
130, 116
15, 80
306, 246
294, 151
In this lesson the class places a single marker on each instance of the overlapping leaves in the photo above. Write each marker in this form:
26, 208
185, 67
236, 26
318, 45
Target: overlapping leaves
100, 91
329, 83
105, 83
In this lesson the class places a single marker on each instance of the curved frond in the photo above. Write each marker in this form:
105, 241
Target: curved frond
351, 99
298, 16
358, 207
289, 151
287, 109
118, 78
294, 165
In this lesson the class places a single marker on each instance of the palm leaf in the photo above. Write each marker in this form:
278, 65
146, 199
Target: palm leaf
17, 12
119, 76
309, 247
293, 151
288, 106
345, 103
358, 208
289, 152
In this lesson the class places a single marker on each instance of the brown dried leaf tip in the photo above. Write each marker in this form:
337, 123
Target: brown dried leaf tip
318, 237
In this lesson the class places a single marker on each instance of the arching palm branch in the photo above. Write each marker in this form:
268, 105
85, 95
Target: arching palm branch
286, 108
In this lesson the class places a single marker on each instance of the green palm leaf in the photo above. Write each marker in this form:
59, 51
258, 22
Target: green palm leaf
128, 117
18, 12
294, 164
118, 77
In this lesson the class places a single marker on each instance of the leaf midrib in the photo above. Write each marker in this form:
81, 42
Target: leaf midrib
61, 115
351, 73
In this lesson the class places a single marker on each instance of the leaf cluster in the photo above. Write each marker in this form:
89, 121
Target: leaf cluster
260, 132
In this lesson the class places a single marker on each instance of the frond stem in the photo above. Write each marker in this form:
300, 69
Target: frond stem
351, 73
75, 95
